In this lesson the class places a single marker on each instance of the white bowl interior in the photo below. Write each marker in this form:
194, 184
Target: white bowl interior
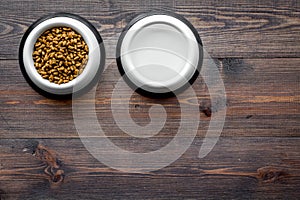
160, 53
91, 67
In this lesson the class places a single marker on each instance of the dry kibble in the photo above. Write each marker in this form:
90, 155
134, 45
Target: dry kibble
60, 55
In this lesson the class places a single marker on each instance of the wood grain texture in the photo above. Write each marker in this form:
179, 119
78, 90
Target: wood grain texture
256, 47
257, 105
236, 168
228, 29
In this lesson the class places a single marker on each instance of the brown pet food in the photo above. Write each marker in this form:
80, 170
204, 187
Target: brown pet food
60, 55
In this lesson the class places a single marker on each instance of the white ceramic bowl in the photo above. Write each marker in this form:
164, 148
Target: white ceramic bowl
93, 68
159, 54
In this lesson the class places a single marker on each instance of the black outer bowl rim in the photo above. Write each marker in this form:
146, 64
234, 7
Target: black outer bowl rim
140, 90
81, 91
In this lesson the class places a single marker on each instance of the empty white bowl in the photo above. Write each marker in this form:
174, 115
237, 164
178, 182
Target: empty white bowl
159, 54
92, 70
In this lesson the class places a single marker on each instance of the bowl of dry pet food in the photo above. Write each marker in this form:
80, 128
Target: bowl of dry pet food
61, 55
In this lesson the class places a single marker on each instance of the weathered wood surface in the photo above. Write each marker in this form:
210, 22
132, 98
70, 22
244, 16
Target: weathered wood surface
228, 28
263, 99
240, 167
256, 46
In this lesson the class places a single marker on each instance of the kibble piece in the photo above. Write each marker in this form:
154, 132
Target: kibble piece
60, 55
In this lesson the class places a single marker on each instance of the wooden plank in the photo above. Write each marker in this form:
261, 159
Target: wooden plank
244, 29
258, 167
257, 51
263, 99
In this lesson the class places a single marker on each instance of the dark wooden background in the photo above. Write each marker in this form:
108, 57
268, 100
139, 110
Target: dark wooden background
256, 45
